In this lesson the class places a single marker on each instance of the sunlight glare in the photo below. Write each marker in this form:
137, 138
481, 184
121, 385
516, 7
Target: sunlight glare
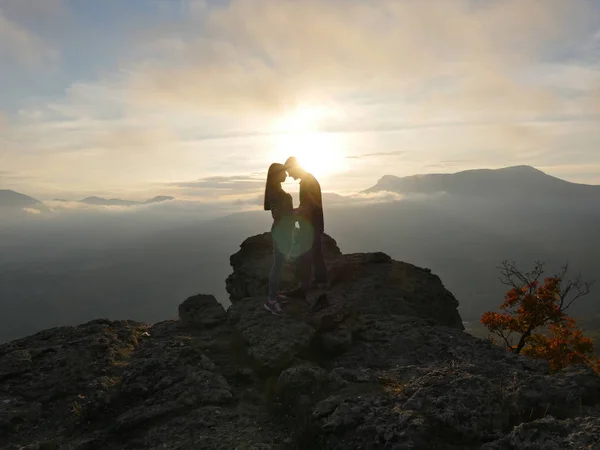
297, 134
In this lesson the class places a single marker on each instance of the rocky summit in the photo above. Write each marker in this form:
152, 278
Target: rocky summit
378, 361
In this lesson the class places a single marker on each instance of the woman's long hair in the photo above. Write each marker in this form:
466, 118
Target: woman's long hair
273, 185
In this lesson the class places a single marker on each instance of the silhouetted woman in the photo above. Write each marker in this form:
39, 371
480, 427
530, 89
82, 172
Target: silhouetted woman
281, 205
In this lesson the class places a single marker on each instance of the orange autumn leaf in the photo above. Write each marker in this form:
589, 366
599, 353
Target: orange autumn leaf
533, 321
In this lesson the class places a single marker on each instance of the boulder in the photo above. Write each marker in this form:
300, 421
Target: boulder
369, 283
252, 264
336, 341
15, 411
60, 369
201, 311
299, 384
272, 342
549, 433
15, 363
566, 394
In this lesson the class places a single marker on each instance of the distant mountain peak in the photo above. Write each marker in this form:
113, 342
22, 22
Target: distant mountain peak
521, 169
13, 199
506, 181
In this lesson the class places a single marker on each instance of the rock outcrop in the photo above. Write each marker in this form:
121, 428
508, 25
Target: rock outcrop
370, 282
251, 266
384, 364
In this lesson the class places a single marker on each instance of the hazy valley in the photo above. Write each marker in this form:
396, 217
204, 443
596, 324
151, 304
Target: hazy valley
141, 264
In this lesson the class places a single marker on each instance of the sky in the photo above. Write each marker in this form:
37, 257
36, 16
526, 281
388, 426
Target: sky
195, 98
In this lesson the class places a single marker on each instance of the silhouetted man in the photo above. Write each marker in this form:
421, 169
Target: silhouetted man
312, 228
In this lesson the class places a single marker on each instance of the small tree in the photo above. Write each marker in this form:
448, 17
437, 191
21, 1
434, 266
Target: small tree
566, 345
532, 306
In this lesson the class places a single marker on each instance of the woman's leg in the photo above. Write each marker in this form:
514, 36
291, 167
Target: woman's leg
278, 262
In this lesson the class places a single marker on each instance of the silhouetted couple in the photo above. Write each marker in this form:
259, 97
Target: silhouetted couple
305, 243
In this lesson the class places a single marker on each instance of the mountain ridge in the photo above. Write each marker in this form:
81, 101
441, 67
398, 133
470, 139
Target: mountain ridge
425, 183
13, 199
512, 180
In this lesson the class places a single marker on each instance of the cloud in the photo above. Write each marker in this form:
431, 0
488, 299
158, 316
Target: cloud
21, 45
226, 183
250, 202
239, 189
331, 200
173, 212
586, 173
33, 9
377, 154
451, 163
197, 97
33, 211
594, 98
59, 205
275, 54
18, 181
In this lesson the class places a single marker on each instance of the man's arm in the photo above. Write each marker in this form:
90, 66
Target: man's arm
317, 198
310, 195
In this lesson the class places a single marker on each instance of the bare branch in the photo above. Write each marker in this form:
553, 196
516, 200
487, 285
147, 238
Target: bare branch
563, 272
581, 290
537, 273
512, 276
504, 338
563, 295
574, 288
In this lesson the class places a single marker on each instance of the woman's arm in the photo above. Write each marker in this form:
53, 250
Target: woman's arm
302, 210
281, 207
276, 211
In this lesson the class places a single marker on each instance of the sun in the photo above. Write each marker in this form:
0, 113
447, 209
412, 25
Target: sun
319, 153
297, 134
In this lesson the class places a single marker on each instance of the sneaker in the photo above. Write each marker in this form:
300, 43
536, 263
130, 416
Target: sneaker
274, 308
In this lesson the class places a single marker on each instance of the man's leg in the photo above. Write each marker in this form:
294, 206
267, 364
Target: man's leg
318, 259
305, 270
303, 262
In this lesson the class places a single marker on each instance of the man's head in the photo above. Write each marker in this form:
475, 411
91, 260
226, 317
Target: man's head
293, 168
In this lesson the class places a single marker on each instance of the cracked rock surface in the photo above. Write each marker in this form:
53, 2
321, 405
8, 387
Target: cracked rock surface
384, 365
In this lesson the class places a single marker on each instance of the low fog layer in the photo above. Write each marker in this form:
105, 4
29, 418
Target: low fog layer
141, 262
